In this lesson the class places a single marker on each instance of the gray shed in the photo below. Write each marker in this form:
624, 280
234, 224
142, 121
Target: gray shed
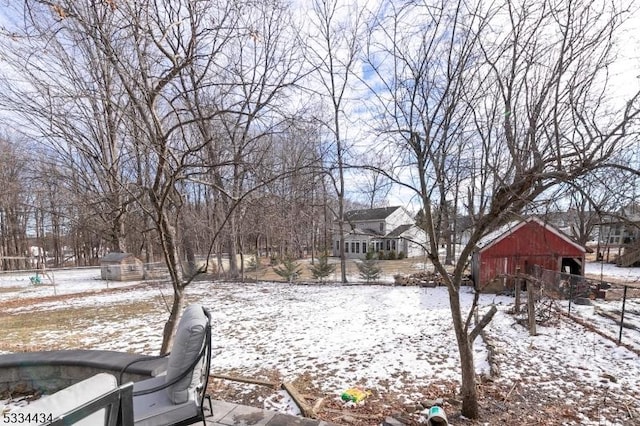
121, 267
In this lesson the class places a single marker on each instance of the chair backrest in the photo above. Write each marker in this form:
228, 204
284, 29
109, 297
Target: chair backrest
190, 357
93, 401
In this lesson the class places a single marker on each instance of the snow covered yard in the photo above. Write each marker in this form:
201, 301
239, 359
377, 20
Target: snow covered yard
397, 342
15, 285
565, 372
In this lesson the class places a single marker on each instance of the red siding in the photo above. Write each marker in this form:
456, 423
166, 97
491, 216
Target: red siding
531, 244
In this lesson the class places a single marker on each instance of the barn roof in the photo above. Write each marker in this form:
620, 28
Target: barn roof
509, 228
495, 235
370, 214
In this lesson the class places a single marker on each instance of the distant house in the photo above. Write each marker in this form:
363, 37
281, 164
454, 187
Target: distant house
386, 229
619, 236
121, 267
522, 244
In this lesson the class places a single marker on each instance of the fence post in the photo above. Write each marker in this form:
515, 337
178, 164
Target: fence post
531, 308
517, 284
624, 302
570, 294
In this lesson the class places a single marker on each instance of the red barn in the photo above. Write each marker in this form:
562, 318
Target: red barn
520, 245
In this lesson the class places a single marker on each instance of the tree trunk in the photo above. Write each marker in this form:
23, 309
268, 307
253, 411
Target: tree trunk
233, 258
148, 241
170, 252
172, 322
467, 367
241, 262
233, 247
313, 241
189, 252
343, 259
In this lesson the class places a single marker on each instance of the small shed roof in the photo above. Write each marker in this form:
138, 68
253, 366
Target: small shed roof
115, 257
509, 228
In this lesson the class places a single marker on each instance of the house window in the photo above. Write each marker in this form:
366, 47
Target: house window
346, 247
338, 245
353, 247
364, 247
388, 245
393, 245
381, 226
358, 247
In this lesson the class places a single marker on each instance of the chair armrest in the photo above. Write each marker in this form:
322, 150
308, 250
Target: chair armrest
141, 359
80, 403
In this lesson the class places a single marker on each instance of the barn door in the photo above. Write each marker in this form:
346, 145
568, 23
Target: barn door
571, 265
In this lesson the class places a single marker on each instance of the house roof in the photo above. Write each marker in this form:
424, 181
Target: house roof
509, 228
398, 231
366, 231
395, 233
370, 214
627, 214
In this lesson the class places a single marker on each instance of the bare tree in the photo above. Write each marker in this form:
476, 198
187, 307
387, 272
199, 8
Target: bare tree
513, 92
77, 111
263, 64
14, 205
585, 202
334, 49
374, 186
128, 92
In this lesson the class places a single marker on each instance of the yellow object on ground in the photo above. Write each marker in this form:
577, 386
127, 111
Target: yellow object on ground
355, 395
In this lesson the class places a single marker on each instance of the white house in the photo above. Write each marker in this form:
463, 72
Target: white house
619, 236
383, 229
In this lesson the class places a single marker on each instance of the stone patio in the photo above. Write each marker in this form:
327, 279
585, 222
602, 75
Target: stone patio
228, 414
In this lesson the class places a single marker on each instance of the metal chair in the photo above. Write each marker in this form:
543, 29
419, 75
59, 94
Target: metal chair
178, 397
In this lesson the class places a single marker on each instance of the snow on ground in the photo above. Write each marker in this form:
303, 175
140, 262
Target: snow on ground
567, 363
388, 339
354, 334
18, 284
610, 270
606, 316
358, 334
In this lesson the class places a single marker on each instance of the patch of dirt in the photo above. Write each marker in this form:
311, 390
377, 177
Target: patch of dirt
244, 393
23, 330
17, 303
10, 289
520, 404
